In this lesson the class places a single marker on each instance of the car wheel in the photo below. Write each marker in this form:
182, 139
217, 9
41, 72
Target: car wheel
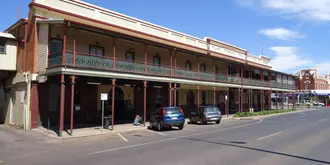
201, 121
180, 126
170, 127
159, 126
218, 122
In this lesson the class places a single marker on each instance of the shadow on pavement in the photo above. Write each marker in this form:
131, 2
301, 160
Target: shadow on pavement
257, 149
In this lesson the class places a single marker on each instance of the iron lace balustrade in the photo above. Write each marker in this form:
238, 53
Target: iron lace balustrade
221, 78
55, 59
276, 85
234, 79
93, 61
288, 86
185, 73
129, 66
158, 70
206, 76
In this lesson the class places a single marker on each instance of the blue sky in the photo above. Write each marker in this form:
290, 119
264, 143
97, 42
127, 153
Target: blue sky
294, 36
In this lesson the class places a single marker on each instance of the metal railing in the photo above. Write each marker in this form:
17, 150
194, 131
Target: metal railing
85, 60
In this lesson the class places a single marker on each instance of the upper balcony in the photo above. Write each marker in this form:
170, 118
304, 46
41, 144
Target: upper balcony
89, 61
84, 12
8, 51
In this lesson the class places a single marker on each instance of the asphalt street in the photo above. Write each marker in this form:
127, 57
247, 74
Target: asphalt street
301, 138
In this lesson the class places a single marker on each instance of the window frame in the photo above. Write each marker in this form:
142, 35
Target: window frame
133, 54
159, 59
201, 67
190, 66
4, 46
98, 47
51, 44
216, 69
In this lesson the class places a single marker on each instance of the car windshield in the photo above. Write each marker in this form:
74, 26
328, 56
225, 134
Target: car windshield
173, 110
211, 109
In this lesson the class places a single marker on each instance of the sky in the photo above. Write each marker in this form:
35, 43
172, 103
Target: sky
295, 34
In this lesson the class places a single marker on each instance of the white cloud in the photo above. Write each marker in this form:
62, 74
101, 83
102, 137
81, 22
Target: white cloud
281, 33
313, 10
287, 60
323, 68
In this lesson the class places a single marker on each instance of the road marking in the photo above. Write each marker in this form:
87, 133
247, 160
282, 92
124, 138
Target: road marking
1, 161
122, 137
156, 132
169, 139
323, 119
269, 136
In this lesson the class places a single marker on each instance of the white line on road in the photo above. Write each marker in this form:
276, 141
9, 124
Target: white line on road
323, 119
169, 139
269, 136
159, 133
122, 137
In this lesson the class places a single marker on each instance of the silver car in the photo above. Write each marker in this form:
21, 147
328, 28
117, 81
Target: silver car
205, 114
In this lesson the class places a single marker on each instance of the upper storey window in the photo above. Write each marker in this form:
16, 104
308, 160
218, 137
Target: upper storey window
130, 55
2, 46
188, 65
96, 50
157, 59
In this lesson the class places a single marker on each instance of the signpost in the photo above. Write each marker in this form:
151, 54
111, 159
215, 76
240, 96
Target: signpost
104, 97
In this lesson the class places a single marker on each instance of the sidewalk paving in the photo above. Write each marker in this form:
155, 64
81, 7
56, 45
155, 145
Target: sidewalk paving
94, 131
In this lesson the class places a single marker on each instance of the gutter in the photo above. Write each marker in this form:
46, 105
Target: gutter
51, 21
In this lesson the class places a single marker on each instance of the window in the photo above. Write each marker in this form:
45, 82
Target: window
265, 76
307, 85
285, 79
2, 46
279, 78
96, 50
130, 55
188, 65
56, 45
203, 67
157, 59
273, 76
216, 69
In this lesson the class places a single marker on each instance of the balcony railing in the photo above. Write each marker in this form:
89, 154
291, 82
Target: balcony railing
84, 60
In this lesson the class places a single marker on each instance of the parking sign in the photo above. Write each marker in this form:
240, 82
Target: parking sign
104, 96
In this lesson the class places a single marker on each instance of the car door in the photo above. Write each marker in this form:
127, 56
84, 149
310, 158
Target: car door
193, 115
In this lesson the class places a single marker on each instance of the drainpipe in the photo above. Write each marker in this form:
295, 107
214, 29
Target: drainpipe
26, 120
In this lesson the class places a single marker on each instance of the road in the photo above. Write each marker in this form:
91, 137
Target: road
300, 138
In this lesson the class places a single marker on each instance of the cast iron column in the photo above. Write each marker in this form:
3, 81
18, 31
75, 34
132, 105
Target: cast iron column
198, 96
62, 105
72, 104
214, 96
175, 94
144, 103
170, 94
113, 104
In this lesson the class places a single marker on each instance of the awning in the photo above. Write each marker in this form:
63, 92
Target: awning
321, 92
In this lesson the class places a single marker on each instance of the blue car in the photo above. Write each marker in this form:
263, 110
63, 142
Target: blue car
167, 117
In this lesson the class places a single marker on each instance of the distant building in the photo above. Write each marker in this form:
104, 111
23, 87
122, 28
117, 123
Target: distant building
310, 83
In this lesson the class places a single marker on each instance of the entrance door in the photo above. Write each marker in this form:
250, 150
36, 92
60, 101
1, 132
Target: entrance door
119, 103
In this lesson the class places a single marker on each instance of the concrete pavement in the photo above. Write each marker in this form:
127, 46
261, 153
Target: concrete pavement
297, 138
